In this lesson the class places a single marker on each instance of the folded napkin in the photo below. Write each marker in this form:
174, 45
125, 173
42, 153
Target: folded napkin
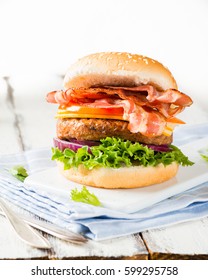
101, 223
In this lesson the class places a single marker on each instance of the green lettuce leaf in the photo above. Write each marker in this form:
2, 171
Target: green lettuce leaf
115, 152
19, 172
84, 196
204, 154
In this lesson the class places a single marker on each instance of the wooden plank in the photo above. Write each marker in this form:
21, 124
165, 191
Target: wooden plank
130, 247
10, 141
182, 241
11, 247
36, 117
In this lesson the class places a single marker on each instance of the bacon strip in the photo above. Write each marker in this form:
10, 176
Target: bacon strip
168, 96
144, 120
172, 96
148, 122
145, 108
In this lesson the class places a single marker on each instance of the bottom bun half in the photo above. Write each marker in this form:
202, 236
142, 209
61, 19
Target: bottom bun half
120, 178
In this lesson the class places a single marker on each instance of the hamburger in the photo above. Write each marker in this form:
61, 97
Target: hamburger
115, 121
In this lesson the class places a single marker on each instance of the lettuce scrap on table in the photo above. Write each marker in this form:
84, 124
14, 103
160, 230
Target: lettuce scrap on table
19, 172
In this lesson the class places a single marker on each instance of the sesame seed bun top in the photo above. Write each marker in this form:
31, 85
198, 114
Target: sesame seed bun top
118, 69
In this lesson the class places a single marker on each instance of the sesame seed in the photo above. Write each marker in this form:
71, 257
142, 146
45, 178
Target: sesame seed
145, 60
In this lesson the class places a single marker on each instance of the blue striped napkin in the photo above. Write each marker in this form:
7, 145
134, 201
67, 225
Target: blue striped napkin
96, 222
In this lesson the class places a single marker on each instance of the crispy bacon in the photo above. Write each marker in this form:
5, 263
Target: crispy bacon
145, 95
145, 108
60, 97
172, 96
137, 93
168, 96
148, 122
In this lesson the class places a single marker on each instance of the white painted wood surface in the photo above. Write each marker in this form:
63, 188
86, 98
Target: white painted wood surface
131, 247
9, 140
11, 247
27, 122
179, 241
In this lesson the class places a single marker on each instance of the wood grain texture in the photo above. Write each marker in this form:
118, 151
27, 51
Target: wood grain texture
187, 240
35, 115
9, 140
130, 247
11, 247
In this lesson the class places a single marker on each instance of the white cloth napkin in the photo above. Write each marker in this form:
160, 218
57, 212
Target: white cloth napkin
97, 222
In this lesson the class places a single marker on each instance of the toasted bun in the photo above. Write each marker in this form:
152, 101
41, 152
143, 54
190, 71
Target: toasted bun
118, 69
120, 178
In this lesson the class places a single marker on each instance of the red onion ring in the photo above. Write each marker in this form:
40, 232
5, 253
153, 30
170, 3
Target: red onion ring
74, 145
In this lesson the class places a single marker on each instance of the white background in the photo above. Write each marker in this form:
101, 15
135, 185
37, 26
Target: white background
42, 37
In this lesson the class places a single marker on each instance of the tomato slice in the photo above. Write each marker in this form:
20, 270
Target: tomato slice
76, 111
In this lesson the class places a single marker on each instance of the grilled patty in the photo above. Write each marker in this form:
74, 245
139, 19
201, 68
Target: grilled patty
96, 129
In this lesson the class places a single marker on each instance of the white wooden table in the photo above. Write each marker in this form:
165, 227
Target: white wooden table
27, 122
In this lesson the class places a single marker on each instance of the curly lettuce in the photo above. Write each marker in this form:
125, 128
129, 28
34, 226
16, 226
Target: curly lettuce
85, 196
115, 152
19, 172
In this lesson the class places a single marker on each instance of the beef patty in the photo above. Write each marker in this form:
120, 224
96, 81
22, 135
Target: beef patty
96, 129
